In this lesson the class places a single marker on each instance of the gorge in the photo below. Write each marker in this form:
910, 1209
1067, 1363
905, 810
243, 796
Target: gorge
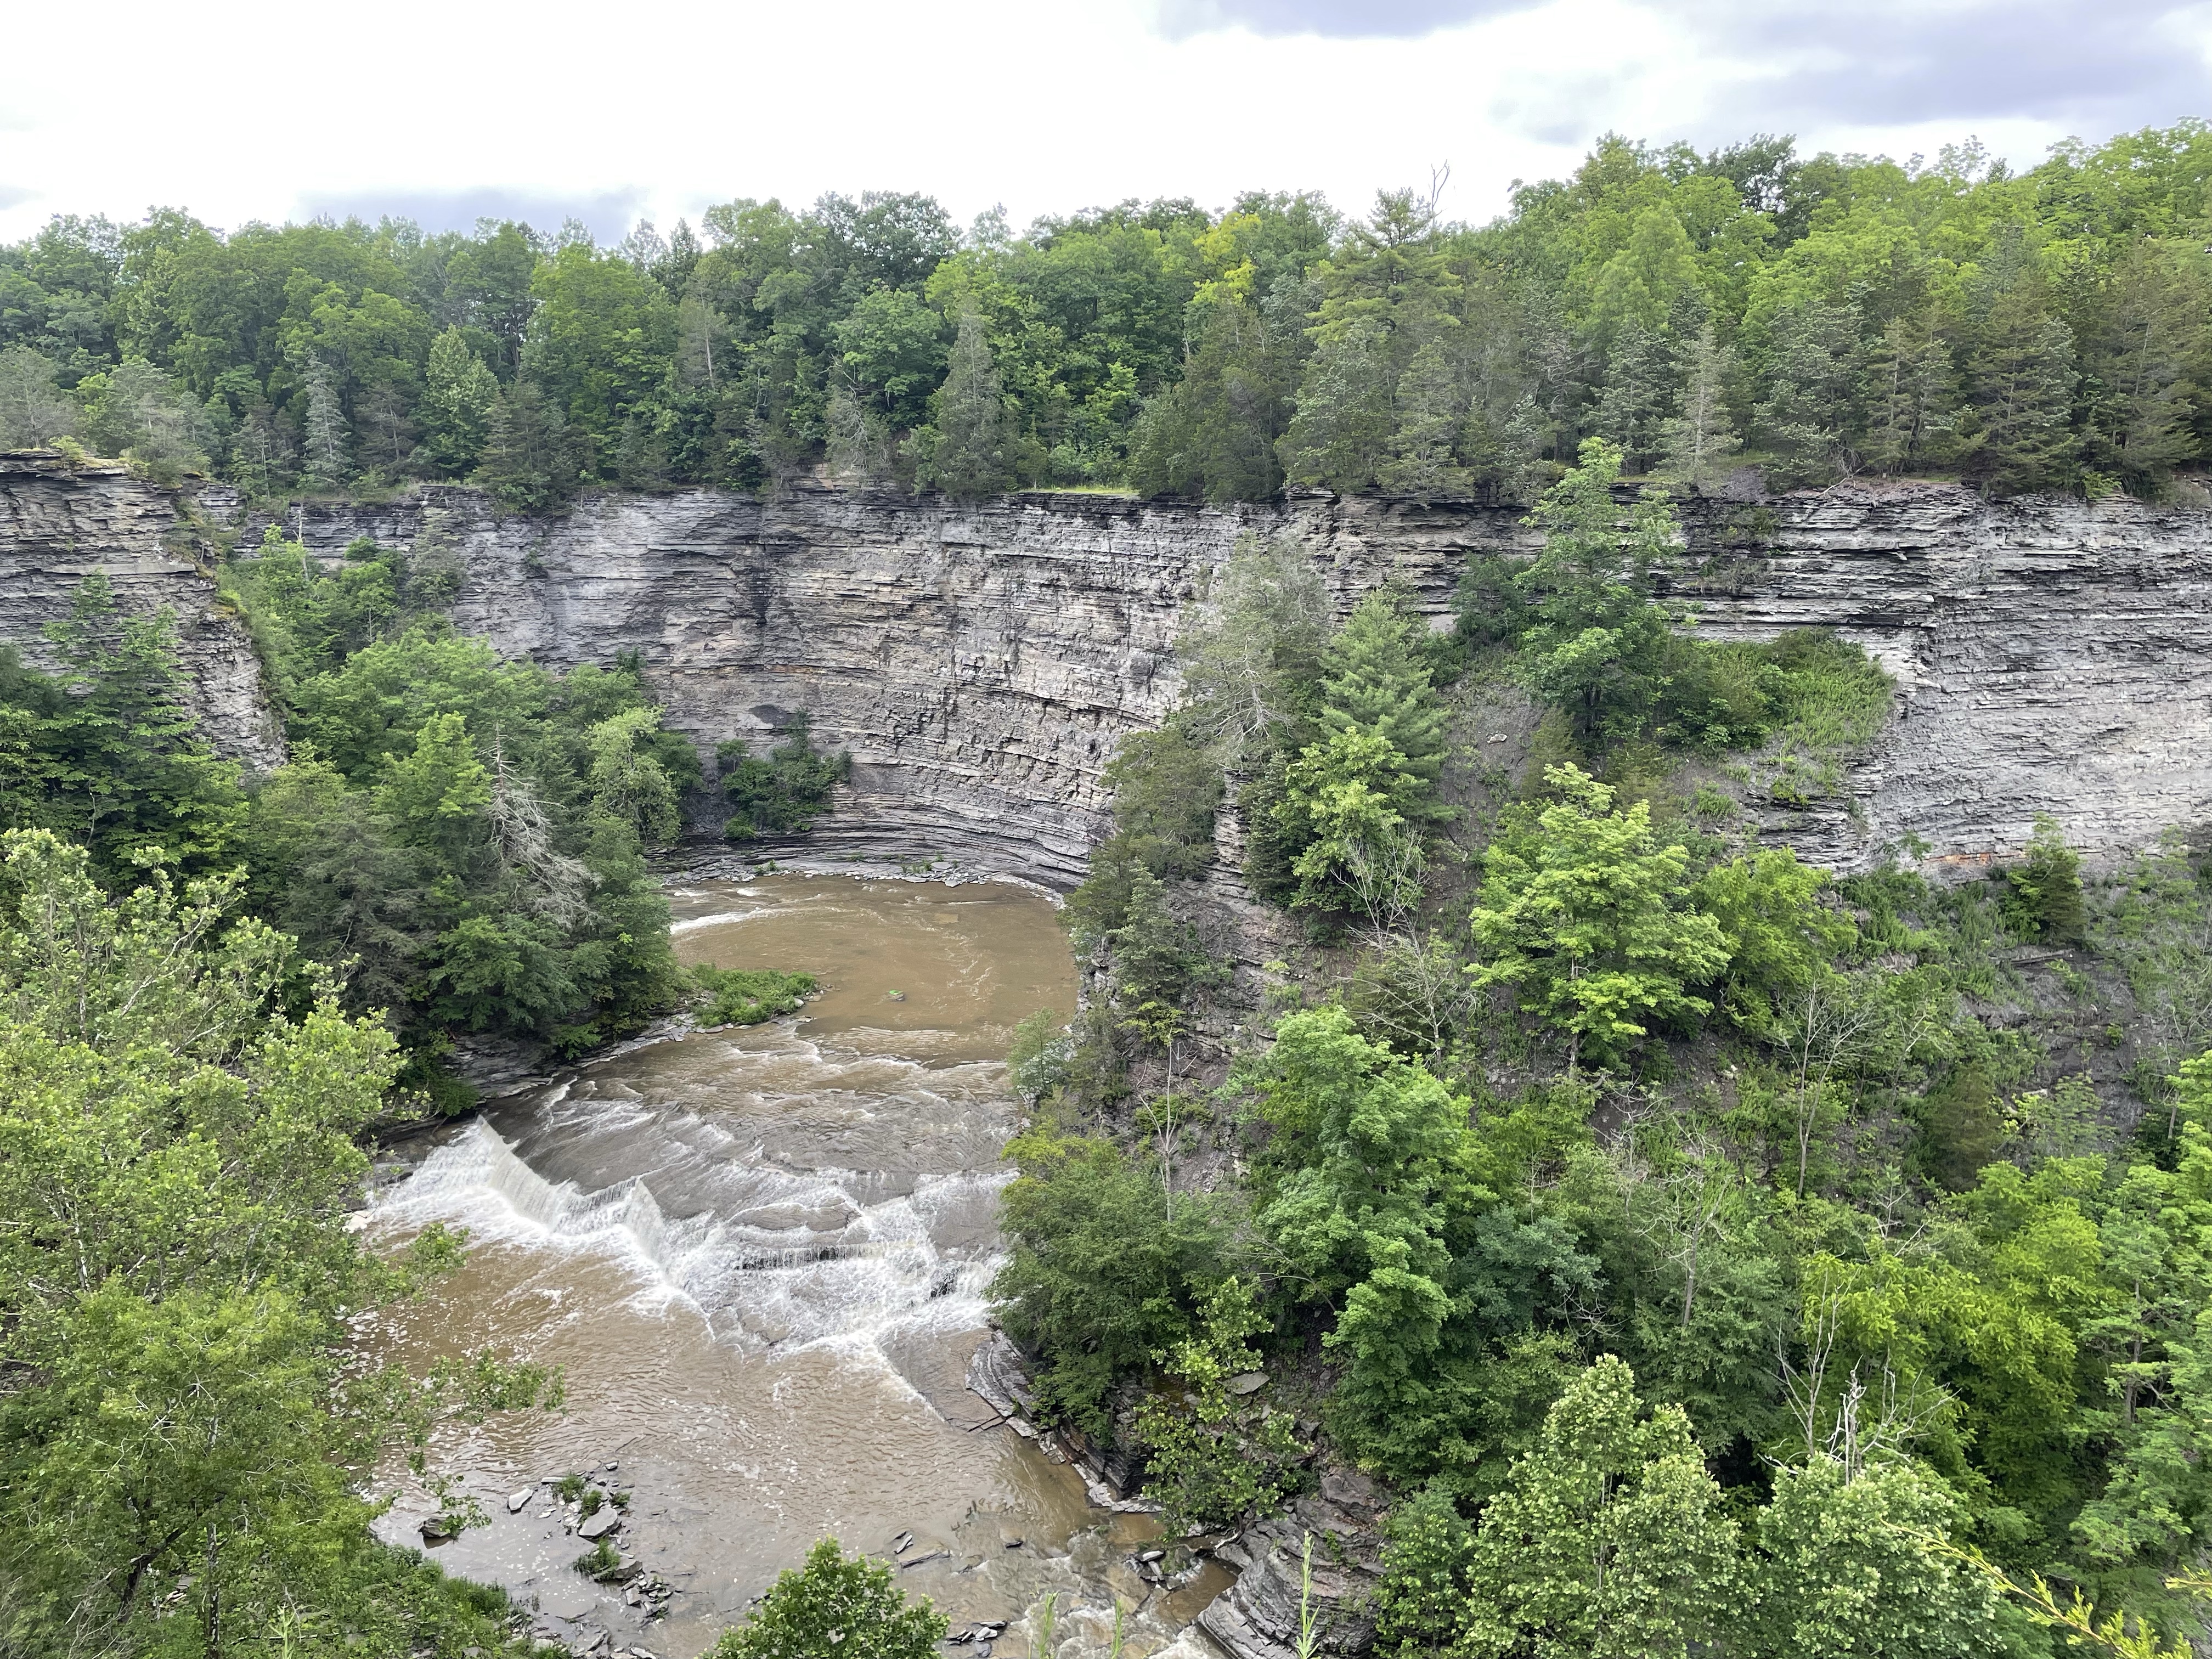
980, 661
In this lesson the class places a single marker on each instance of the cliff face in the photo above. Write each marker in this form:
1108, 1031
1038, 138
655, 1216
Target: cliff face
57, 525
979, 662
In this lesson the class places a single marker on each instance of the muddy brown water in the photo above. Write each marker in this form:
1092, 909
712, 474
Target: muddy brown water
762, 1257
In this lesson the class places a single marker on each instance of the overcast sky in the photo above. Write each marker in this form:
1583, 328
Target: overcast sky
445, 109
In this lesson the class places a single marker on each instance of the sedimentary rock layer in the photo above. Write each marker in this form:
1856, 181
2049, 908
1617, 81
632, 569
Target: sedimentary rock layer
980, 662
59, 524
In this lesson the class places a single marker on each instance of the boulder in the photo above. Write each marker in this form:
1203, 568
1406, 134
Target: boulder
606, 1519
1257, 1617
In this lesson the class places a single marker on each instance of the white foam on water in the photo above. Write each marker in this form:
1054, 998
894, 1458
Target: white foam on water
718, 919
844, 1286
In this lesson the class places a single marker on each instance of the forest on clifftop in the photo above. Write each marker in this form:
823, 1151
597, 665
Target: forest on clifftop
1816, 316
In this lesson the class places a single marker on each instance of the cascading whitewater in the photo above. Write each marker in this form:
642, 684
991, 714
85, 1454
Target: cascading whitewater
769, 1249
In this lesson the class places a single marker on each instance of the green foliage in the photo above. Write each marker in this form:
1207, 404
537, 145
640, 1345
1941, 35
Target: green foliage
1167, 788
1102, 1274
835, 1604
748, 996
1807, 315
181, 1442
1779, 934
2043, 892
1037, 1059
1354, 803
783, 794
1960, 1129
1591, 922
1158, 961
106, 752
1211, 1458
461, 837
1610, 1539
1853, 1568
1598, 647
1428, 1555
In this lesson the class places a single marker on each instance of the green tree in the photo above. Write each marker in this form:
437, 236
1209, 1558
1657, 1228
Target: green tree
181, 1437
1610, 1539
107, 751
32, 411
140, 413
1101, 1274
974, 452
1913, 402
1591, 922
1779, 935
1599, 645
2022, 392
1809, 418
835, 1604
530, 460
1345, 417
458, 401
1699, 443
1157, 961
2043, 892
1366, 1185
325, 447
1356, 801
1432, 399
782, 793
1852, 1568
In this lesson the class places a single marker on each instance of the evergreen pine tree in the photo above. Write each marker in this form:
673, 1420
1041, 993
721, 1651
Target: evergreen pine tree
975, 453
856, 446
1345, 416
32, 411
1158, 960
1700, 441
130, 768
1432, 410
1375, 683
530, 458
1810, 414
1912, 399
324, 430
2023, 395
1641, 378
2148, 337
459, 396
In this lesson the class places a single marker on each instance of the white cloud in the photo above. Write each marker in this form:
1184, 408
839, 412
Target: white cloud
238, 110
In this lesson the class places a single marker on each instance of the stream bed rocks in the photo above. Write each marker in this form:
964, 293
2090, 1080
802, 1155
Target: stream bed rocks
1257, 1615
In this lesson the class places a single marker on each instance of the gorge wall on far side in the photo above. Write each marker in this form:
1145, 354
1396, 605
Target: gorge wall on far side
980, 662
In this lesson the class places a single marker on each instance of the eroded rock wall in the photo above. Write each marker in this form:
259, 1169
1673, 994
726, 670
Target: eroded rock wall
980, 662
59, 524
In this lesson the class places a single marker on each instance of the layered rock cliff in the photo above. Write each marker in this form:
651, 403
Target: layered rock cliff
980, 662
59, 524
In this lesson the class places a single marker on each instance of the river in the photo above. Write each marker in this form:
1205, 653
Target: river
762, 1257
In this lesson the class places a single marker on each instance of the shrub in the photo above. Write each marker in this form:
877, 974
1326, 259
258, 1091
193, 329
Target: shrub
748, 996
